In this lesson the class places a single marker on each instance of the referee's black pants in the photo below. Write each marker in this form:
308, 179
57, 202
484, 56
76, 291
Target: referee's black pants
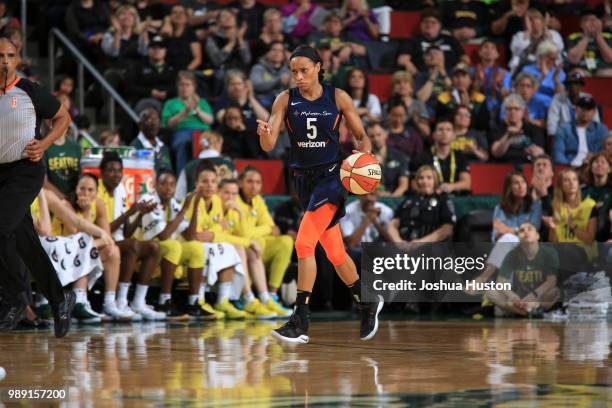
20, 183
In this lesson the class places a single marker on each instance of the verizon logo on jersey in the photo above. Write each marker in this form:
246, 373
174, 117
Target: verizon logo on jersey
311, 144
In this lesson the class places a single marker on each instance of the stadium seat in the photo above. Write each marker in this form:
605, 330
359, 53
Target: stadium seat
272, 172
474, 227
380, 85
569, 24
404, 24
381, 55
607, 116
488, 178
599, 87
196, 146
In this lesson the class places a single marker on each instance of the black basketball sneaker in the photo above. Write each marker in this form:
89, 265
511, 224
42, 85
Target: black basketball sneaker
369, 318
294, 331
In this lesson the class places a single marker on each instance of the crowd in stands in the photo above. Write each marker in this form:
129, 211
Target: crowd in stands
209, 69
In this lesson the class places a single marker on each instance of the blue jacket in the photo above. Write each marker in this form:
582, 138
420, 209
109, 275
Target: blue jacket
565, 147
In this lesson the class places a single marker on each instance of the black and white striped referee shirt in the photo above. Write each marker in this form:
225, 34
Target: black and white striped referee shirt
22, 109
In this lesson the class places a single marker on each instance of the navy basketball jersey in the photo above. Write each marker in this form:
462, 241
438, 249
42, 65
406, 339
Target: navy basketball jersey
313, 129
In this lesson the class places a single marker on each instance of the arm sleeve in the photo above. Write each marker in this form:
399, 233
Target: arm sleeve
214, 53
535, 217
107, 45
258, 78
554, 114
222, 236
497, 213
558, 151
46, 105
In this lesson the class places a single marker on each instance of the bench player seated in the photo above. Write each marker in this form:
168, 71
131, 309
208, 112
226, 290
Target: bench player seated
259, 225
165, 224
125, 222
223, 267
250, 250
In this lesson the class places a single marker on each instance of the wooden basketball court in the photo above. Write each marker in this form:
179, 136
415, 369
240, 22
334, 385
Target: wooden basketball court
506, 363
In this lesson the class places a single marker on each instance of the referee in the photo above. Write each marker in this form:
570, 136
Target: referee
23, 106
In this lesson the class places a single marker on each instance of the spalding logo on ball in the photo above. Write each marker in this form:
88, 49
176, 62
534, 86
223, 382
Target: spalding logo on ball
360, 173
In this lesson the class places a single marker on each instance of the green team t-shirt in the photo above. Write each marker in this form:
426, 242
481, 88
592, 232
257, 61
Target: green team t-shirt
191, 121
63, 165
525, 274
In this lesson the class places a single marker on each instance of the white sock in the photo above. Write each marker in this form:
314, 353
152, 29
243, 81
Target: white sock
249, 298
225, 290
264, 297
81, 295
140, 294
163, 297
109, 298
124, 287
193, 299
202, 293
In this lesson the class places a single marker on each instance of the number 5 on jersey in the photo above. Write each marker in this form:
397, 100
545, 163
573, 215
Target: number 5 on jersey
311, 129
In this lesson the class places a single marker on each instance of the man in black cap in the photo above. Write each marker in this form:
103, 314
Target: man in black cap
562, 108
152, 82
576, 141
591, 49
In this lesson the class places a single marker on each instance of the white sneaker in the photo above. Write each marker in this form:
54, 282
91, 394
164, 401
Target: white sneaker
120, 315
125, 309
90, 310
148, 313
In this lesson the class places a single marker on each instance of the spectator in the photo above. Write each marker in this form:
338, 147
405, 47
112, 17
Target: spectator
416, 111
509, 18
212, 146
152, 82
183, 51
430, 83
472, 143
84, 137
148, 139
532, 270
367, 104
271, 75
576, 141
542, 182
462, 93
63, 162
64, 85
411, 54
516, 207
359, 22
599, 187
489, 77
153, 13
110, 138
297, 18
526, 85
590, 50
252, 13
6, 20
608, 144
127, 40
183, 115
366, 220
467, 19
550, 74
575, 218
394, 163
516, 140
427, 217
239, 141
86, 23
562, 109
450, 166
226, 47
240, 91
272, 31
525, 43
406, 140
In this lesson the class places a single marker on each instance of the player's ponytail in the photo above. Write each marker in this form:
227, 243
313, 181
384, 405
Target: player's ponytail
307, 51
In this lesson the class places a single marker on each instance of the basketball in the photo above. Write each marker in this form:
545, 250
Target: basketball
360, 173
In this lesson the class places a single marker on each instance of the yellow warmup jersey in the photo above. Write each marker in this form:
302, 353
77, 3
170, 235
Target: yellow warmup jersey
257, 222
580, 215
208, 216
57, 226
108, 199
35, 208
233, 229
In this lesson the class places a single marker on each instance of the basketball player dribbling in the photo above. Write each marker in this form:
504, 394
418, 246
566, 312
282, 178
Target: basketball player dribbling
312, 113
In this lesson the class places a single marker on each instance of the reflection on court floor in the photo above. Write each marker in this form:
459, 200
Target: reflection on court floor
509, 363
